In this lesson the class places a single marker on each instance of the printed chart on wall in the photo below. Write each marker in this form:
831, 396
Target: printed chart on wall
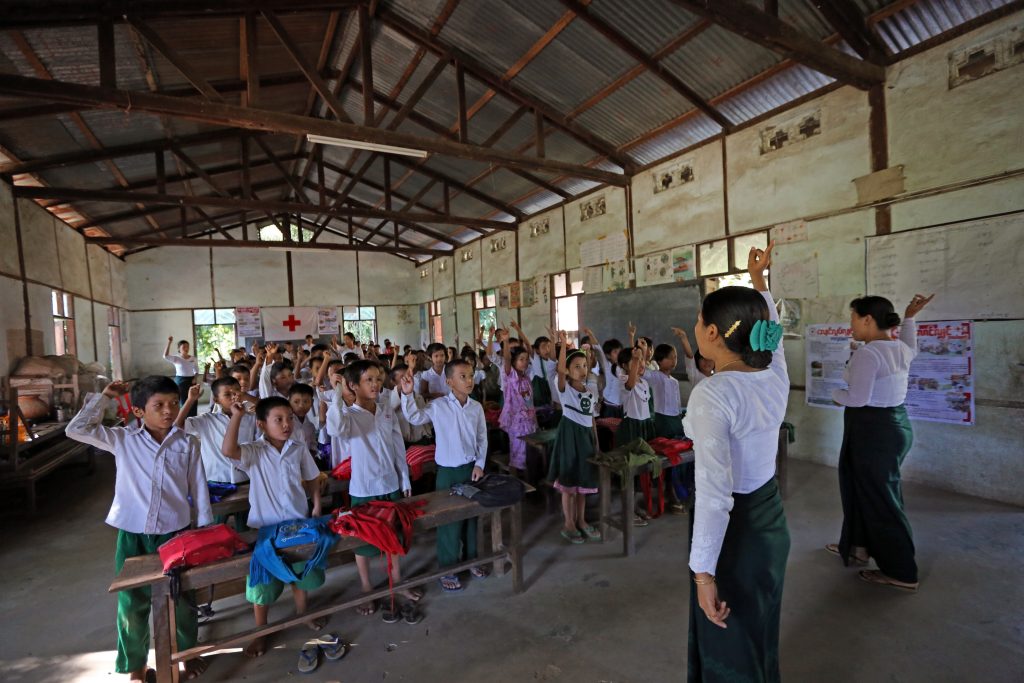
248, 322
327, 320
941, 383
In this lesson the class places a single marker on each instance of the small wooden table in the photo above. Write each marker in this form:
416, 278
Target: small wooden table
49, 450
441, 508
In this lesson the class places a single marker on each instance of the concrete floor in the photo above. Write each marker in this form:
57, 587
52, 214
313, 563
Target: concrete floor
587, 614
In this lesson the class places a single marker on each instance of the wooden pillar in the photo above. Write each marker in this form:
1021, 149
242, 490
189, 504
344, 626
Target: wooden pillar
878, 133
366, 57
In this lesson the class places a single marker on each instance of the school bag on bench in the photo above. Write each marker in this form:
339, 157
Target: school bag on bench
493, 490
200, 546
266, 564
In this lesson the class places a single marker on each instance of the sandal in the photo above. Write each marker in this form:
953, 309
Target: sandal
309, 657
411, 615
879, 579
591, 533
639, 521
834, 549
389, 615
450, 583
333, 647
574, 536
479, 572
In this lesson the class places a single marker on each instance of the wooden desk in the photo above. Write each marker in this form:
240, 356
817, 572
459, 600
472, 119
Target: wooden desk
41, 456
441, 509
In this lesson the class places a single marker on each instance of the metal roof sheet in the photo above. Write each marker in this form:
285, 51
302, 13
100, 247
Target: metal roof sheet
648, 24
640, 105
928, 18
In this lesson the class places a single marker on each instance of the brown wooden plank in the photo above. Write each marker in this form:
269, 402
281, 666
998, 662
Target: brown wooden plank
172, 56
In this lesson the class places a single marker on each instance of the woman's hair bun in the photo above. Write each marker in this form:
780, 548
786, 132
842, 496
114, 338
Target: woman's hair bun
892, 319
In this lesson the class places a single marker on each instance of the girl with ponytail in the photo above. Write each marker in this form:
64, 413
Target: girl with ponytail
739, 540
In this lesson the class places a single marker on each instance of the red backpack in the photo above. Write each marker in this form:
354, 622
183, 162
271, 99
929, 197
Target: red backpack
200, 546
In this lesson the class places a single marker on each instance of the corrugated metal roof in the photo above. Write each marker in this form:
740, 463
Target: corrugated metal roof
648, 24
640, 105
688, 133
773, 92
716, 60
928, 18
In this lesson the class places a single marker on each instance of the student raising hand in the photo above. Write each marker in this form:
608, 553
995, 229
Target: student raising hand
116, 389
194, 391
405, 381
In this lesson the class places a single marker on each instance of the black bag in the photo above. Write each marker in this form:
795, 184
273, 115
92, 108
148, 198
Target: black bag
494, 490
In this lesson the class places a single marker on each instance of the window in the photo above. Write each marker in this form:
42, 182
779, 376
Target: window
361, 321
272, 233
485, 315
114, 335
214, 331
63, 322
436, 327
566, 303
728, 256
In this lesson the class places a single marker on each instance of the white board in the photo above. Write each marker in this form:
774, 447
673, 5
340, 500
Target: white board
975, 268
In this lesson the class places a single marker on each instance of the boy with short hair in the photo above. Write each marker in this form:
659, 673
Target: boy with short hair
210, 428
461, 434
159, 471
433, 383
281, 476
300, 398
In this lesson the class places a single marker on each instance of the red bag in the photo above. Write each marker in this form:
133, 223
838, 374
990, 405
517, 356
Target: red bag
343, 470
200, 546
416, 457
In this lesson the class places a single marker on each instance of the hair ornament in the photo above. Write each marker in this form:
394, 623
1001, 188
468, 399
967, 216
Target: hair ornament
765, 335
731, 329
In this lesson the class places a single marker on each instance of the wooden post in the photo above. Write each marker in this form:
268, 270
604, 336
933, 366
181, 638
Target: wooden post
366, 57
460, 84
248, 68
107, 54
164, 632
539, 132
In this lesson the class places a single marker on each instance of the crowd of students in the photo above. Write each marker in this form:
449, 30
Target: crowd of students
281, 414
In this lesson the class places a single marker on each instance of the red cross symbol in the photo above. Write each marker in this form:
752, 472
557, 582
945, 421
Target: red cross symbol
291, 323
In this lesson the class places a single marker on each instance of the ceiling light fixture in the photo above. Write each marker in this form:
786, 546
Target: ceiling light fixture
371, 146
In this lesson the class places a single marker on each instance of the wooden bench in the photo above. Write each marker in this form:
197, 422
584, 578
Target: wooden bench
441, 508
48, 451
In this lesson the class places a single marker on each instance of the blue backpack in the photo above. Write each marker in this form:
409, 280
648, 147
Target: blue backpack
266, 564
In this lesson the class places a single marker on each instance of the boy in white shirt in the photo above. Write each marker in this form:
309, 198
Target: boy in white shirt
159, 470
432, 382
367, 431
282, 475
461, 434
300, 398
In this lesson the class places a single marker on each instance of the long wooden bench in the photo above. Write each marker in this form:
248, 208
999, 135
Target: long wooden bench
42, 456
441, 508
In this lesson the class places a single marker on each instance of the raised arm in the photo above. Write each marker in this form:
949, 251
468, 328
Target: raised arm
632, 334
414, 415
908, 330
684, 341
522, 337
636, 362
506, 352
230, 447
87, 427
167, 349
563, 338
193, 396
758, 261
254, 371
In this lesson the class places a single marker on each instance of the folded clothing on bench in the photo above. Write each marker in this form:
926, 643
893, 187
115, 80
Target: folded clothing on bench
267, 565
417, 457
384, 524
672, 449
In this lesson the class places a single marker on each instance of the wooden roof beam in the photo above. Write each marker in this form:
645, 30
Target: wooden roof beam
847, 20
257, 244
172, 56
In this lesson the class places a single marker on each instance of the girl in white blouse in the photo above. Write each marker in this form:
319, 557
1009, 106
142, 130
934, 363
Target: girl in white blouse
185, 370
739, 540
876, 438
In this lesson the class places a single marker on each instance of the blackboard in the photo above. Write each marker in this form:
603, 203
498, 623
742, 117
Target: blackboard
654, 310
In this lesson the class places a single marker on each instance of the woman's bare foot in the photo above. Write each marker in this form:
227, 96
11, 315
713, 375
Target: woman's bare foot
879, 579
142, 674
195, 667
367, 608
256, 648
413, 594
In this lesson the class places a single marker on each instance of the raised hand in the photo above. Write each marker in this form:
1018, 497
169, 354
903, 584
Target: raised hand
631, 329
759, 260
115, 389
917, 305
405, 382
679, 332
347, 395
237, 409
194, 392
170, 339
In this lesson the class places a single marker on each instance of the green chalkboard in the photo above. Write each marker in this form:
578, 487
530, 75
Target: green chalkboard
654, 310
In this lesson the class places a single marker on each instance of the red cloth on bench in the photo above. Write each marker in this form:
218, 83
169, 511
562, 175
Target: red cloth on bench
672, 449
343, 470
611, 423
416, 457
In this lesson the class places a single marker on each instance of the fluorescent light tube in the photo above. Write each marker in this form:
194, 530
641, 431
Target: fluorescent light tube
371, 146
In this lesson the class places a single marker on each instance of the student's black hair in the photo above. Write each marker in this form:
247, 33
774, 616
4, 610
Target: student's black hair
265, 405
146, 387
469, 355
279, 367
183, 342
349, 335
449, 369
661, 352
317, 347
585, 339
400, 367
223, 382
334, 362
625, 355
433, 348
350, 357
573, 355
879, 308
727, 305
650, 342
516, 352
610, 346
239, 367
354, 372
301, 389
697, 358
308, 336
538, 341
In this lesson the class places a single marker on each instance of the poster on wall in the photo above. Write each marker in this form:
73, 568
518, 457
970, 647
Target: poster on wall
593, 279
503, 296
248, 322
684, 263
515, 295
785, 233
327, 320
288, 323
529, 293
941, 383
655, 269
609, 249
616, 276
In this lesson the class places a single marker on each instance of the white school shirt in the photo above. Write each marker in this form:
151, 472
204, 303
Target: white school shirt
612, 393
878, 371
577, 406
276, 493
695, 375
210, 429
436, 382
636, 401
460, 430
410, 432
733, 419
374, 443
305, 430
666, 393
266, 386
183, 367
358, 350
154, 481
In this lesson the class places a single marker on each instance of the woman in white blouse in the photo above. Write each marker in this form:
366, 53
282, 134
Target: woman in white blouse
876, 438
185, 370
739, 541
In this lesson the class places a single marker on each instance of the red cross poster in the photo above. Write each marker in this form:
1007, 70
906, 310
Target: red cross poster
289, 324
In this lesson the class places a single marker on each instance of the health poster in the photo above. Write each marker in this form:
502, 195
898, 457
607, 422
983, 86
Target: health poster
248, 322
941, 386
684, 263
515, 295
828, 350
327, 320
503, 296
616, 276
529, 293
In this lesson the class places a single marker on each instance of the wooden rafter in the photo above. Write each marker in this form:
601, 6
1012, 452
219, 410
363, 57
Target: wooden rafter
846, 18
36, 14
191, 242
171, 55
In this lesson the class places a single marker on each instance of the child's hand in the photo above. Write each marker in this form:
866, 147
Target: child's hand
237, 409
255, 349
115, 389
590, 333
759, 260
642, 344
406, 382
631, 329
478, 473
194, 391
917, 305
407, 493
563, 338
679, 332
170, 339
347, 395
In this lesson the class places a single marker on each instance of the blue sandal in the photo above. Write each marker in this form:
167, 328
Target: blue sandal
309, 657
450, 583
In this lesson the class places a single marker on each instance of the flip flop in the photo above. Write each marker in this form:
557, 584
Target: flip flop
834, 549
450, 583
591, 533
309, 657
639, 521
411, 615
479, 572
879, 579
574, 537
333, 647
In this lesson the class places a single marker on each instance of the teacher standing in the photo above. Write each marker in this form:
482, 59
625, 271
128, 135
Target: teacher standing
739, 540
876, 438
185, 371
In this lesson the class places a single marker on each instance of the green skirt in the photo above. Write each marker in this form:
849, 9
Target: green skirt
631, 429
750, 573
541, 391
875, 442
570, 456
668, 426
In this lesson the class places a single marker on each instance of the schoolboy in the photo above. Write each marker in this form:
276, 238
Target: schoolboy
281, 476
432, 382
301, 397
461, 434
159, 471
